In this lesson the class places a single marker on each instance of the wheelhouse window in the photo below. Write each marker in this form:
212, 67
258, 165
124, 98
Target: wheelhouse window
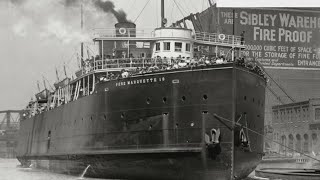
166, 46
178, 46
188, 47
157, 46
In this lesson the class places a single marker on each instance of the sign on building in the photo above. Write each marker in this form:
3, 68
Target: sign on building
277, 38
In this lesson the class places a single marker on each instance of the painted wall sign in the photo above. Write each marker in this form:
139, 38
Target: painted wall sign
278, 38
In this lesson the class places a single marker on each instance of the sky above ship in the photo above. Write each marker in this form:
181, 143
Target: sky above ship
38, 36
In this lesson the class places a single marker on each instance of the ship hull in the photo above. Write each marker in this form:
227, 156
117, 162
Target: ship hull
170, 165
152, 126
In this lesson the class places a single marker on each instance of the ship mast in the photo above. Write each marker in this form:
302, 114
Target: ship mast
81, 53
162, 14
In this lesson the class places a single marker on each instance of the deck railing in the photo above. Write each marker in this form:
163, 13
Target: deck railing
201, 37
130, 32
128, 63
218, 38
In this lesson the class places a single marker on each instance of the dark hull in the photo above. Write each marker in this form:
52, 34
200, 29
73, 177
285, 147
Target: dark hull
289, 173
140, 129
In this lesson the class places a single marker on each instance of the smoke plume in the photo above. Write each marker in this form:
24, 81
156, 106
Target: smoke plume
108, 6
105, 6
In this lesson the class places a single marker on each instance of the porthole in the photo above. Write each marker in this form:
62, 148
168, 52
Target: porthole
148, 100
150, 127
183, 98
177, 125
205, 97
122, 115
164, 99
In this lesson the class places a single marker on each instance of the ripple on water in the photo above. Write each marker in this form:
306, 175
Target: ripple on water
10, 169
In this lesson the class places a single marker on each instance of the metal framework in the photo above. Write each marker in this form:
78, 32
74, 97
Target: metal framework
11, 119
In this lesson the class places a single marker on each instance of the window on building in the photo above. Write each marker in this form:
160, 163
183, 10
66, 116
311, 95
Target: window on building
157, 46
317, 114
295, 114
188, 47
178, 46
166, 46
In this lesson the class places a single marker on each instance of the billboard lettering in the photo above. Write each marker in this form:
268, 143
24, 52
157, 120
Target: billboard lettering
276, 37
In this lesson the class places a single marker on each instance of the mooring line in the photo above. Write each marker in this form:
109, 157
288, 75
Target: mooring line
238, 124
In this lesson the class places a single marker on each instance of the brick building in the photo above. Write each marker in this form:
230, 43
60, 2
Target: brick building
297, 126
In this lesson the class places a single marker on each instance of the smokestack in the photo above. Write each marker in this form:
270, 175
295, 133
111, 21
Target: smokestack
125, 29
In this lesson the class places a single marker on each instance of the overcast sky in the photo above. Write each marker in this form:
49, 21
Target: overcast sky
38, 35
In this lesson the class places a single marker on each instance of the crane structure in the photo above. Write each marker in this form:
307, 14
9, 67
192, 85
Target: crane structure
9, 127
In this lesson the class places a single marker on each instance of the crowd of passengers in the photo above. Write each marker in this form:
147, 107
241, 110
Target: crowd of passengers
164, 66
180, 63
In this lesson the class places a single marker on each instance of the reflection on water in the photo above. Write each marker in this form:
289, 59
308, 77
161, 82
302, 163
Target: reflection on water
10, 170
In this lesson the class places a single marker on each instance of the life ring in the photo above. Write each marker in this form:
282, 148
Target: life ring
122, 30
222, 37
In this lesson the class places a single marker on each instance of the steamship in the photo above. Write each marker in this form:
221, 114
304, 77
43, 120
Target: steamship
153, 104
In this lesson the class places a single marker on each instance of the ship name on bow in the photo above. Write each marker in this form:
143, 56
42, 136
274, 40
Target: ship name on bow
140, 81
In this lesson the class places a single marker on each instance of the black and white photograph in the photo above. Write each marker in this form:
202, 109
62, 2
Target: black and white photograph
160, 90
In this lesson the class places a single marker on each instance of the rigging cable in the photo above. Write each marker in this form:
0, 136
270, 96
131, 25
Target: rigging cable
131, 7
187, 7
274, 94
270, 139
141, 11
157, 15
179, 8
202, 5
194, 7
172, 11
280, 87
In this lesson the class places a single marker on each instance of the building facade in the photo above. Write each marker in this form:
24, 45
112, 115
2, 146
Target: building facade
296, 128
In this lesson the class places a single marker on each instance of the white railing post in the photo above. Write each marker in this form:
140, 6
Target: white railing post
233, 48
